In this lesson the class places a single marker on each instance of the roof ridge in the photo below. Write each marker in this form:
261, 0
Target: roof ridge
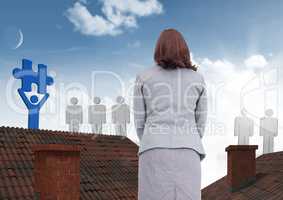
268, 155
61, 132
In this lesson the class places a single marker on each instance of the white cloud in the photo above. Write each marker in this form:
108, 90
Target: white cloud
118, 16
256, 61
217, 70
230, 87
88, 24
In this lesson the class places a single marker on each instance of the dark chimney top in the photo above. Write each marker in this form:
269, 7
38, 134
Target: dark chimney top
241, 166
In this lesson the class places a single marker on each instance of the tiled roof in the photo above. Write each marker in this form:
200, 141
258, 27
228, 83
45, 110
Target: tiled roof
268, 185
109, 164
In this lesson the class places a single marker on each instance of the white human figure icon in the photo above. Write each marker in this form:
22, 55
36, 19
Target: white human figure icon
243, 128
120, 116
269, 130
74, 115
97, 115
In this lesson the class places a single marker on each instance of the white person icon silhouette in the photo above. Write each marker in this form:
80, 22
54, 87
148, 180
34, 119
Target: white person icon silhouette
97, 115
74, 115
243, 128
120, 116
269, 130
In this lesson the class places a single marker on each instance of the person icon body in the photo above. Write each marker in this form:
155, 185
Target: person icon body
120, 116
33, 104
74, 115
269, 130
243, 128
97, 115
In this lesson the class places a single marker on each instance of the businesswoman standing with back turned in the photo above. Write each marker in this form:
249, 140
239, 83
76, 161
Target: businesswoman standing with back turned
170, 108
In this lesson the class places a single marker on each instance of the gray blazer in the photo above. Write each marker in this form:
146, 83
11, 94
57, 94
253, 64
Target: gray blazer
170, 109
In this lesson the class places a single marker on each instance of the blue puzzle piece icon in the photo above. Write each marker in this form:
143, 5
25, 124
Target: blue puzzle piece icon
28, 76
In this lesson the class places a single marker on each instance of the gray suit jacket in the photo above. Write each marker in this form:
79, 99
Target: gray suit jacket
170, 109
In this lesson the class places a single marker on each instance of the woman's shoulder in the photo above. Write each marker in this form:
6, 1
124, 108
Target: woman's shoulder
149, 72
155, 71
193, 75
198, 74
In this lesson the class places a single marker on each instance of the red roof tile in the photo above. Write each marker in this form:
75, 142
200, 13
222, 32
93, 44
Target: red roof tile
268, 185
109, 164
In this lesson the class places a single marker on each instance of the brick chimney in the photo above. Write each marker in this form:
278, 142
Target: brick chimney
241, 169
57, 172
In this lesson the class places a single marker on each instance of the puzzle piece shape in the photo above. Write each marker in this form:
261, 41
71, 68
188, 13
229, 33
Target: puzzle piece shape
28, 76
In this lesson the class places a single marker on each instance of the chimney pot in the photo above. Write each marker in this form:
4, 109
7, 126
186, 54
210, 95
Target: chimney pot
241, 169
57, 171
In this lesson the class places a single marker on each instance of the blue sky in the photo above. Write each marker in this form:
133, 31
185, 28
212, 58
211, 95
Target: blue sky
212, 28
230, 40
222, 29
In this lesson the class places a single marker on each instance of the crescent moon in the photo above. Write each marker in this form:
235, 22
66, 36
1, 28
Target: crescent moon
21, 39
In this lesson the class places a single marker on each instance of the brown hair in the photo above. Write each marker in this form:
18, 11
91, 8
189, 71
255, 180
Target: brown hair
172, 52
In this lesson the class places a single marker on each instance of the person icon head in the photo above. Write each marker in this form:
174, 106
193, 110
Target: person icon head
268, 112
243, 112
96, 100
74, 101
120, 100
33, 99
